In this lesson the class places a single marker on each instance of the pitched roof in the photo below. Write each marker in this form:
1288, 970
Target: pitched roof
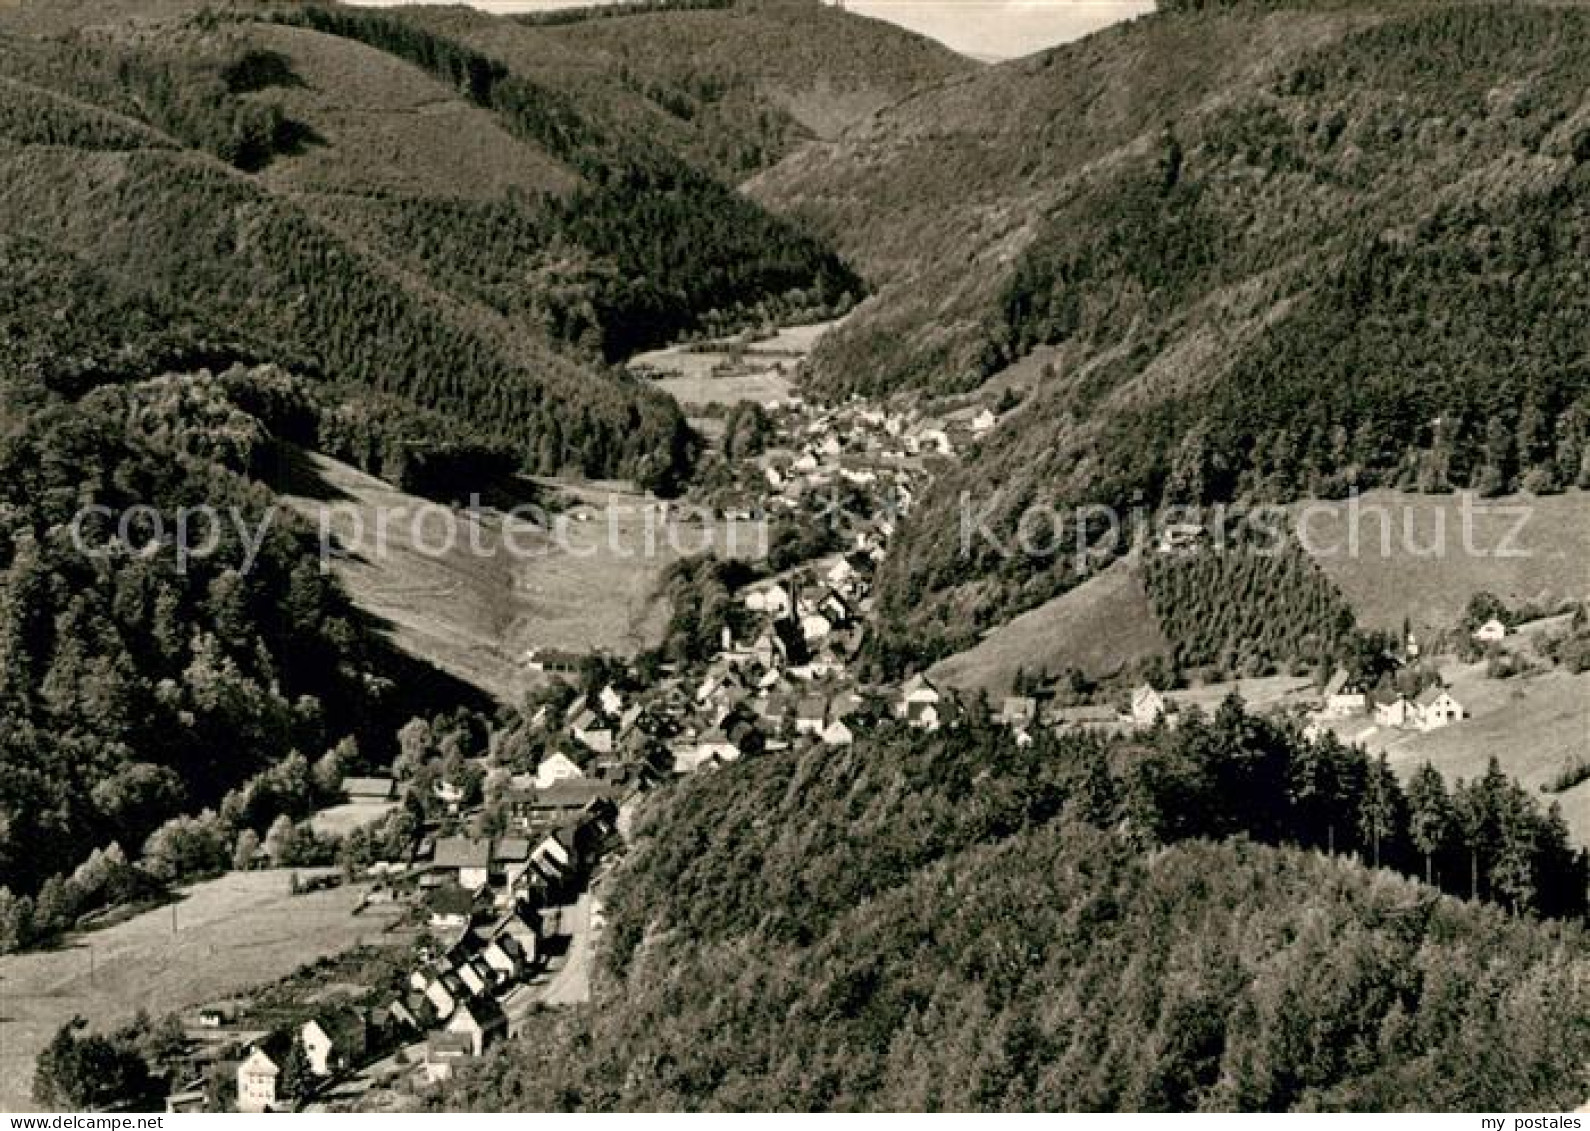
1430, 695
462, 852
446, 1044
918, 682
369, 787
273, 1048
450, 899
343, 1026
485, 1012
511, 849
572, 792
812, 708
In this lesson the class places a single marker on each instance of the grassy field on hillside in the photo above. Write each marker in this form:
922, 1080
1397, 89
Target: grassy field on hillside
504, 586
1552, 545
724, 373
1532, 726
1100, 627
233, 933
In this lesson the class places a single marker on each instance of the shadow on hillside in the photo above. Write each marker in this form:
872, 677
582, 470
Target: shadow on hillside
288, 469
419, 687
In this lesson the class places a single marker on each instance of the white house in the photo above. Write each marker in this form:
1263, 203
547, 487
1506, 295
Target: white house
556, 767
1392, 708
774, 600
482, 1022
837, 733
1435, 708
469, 857
335, 1041
257, 1077
816, 626
1342, 697
1147, 706
1491, 632
984, 422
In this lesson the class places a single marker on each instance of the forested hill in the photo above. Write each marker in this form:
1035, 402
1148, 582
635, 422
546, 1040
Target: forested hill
444, 241
736, 84
954, 923
1249, 250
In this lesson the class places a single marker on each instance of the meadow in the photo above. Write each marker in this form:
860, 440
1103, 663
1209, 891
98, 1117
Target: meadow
1521, 548
1100, 627
221, 937
475, 603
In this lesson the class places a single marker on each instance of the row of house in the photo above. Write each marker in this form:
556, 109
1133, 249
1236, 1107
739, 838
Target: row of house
1430, 709
482, 896
923, 705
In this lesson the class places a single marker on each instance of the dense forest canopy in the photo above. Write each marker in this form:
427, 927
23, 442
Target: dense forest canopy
954, 922
138, 684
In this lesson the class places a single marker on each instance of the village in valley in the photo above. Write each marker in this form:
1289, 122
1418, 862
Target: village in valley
481, 855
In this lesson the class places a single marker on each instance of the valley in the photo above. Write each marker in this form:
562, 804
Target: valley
708, 555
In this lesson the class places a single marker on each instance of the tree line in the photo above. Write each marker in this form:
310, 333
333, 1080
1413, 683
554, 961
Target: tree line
688, 249
136, 686
1188, 919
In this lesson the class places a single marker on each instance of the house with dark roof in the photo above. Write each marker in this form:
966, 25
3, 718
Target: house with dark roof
467, 859
451, 907
534, 810
1341, 697
482, 1022
445, 1053
335, 1040
1392, 708
811, 714
553, 661
369, 789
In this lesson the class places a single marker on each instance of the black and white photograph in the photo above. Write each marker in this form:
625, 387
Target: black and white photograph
806, 556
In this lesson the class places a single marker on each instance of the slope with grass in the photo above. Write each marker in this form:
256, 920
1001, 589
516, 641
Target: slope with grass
220, 937
1396, 555
472, 592
1101, 628
384, 128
